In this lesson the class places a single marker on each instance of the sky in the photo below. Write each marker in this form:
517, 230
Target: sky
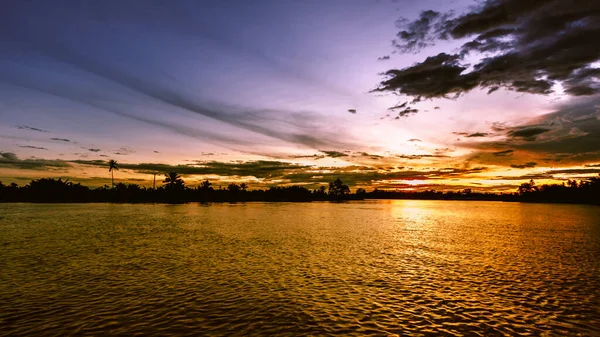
389, 94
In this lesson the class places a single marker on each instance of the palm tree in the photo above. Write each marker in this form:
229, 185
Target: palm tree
173, 179
112, 166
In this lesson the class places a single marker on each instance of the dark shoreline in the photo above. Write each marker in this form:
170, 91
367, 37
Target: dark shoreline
47, 190
285, 201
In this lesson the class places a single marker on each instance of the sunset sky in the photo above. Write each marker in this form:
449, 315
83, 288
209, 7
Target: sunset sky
278, 92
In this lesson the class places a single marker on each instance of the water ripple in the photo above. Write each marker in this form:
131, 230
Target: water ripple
400, 268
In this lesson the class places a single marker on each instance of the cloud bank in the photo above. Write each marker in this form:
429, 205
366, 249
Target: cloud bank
522, 45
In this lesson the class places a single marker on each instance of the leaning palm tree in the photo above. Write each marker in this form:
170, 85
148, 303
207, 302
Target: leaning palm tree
112, 166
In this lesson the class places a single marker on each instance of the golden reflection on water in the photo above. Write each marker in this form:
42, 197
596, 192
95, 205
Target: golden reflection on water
404, 267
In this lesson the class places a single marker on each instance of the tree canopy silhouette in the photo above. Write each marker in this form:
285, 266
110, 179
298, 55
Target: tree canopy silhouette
173, 181
174, 190
337, 189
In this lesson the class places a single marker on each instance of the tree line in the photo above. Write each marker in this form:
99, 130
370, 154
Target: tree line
174, 190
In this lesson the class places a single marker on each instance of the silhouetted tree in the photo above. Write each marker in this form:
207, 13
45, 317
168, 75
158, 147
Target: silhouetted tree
57, 190
112, 166
361, 192
206, 185
233, 188
243, 187
173, 181
527, 187
337, 189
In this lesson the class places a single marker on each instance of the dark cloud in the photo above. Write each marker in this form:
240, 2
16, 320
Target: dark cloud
399, 106
334, 154
258, 169
33, 147
524, 45
575, 171
414, 140
526, 177
312, 156
437, 76
407, 112
10, 160
371, 156
383, 58
123, 151
25, 127
8, 156
503, 153
367, 176
94, 150
528, 133
526, 165
568, 136
417, 35
478, 134
352, 111
419, 156
61, 139
472, 135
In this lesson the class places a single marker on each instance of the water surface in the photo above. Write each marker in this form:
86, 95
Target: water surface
358, 268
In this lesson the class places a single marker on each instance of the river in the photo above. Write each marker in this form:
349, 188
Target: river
393, 267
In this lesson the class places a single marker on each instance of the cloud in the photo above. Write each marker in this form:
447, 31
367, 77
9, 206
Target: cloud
526, 165
25, 127
371, 156
312, 156
472, 135
352, 111
10, 160
399, 106
503, 153
94, 150
33, 147
61, 140
334, 154
8, 156
297, 127
568, 136
416, 35
258, 169
575, 171
354, 176
419, 156
522, 45
383, 58
437, 76
414, 140
528, 133
407, 112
